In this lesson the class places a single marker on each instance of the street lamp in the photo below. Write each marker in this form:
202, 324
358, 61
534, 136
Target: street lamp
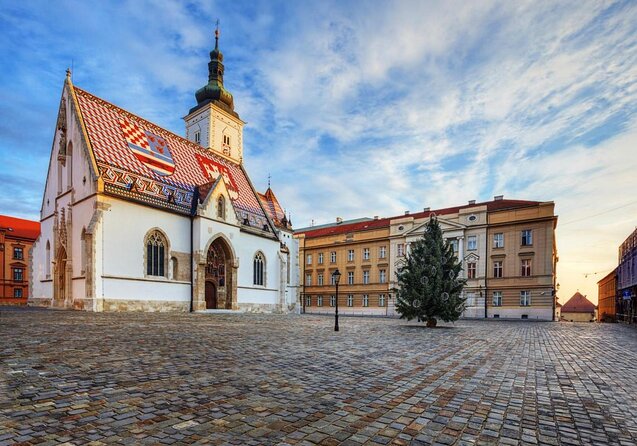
336, 276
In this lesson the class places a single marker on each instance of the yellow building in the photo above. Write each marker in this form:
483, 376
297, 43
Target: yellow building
360, 251
521, 256
506, 247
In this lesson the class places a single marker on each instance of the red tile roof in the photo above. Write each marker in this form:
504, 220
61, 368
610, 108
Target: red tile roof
106, 126
26, 229
496, 205
578, 304
273, 208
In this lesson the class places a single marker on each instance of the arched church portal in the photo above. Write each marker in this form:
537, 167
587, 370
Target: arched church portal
220, 289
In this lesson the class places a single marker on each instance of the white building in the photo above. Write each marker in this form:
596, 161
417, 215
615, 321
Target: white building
135, 217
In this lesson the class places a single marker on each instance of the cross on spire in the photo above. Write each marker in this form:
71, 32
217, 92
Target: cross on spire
217, 35
269, 178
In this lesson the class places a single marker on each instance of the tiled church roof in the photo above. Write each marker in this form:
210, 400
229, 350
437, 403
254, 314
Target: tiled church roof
124, 173
274, 209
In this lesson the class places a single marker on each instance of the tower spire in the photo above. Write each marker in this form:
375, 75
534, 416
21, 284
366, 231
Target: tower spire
214, 92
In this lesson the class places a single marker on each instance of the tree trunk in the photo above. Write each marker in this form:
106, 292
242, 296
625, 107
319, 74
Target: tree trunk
432, 322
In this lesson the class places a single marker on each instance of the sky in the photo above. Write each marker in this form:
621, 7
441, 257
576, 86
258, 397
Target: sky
360, 108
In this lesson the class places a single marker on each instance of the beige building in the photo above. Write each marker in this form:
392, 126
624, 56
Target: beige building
360, 251
507, 249
522, 256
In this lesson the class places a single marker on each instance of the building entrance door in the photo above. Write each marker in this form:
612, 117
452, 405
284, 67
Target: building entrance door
211, 295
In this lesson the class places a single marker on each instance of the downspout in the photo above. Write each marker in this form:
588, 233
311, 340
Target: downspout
193, 213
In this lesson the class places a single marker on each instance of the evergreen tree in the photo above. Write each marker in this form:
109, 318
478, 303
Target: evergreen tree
429, 286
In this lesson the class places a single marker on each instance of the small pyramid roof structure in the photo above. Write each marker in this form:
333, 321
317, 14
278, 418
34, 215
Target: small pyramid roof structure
578, 303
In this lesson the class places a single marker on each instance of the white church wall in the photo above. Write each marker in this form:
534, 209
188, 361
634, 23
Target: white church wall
246, 247
125, 226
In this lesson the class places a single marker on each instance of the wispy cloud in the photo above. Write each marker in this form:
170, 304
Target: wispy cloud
361, 108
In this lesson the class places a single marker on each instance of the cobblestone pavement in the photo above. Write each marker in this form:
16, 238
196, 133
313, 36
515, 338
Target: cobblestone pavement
79, 378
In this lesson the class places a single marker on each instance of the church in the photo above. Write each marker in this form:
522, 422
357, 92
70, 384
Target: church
137, 218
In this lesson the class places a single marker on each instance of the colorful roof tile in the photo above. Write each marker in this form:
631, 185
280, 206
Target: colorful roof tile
138, 159
274, 209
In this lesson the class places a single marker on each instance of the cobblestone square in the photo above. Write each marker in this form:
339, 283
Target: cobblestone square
81, 378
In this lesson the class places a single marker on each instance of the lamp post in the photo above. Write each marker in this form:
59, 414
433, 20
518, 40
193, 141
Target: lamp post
336, 276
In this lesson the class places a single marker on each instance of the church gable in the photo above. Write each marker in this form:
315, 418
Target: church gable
216, 204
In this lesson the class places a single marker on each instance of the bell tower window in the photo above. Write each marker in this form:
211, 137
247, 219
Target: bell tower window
198, 137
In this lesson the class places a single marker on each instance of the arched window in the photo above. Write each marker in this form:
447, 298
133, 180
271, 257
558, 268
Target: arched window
156, 249
48, 259
259, 269
221, 207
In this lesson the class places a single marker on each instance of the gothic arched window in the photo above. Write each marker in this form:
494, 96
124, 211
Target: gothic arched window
259, 269
156, 250
48, 259
221, 207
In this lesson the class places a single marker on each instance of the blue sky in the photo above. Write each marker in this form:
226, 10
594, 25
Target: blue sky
361, 108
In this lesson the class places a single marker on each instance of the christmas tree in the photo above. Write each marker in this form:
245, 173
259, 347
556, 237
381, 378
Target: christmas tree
429, 286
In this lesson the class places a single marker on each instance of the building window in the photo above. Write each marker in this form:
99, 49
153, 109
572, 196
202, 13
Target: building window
350, 277
320, 279
525, 298
498, 240
332, 301
18, 274
156, 254
471, 270
320, 258
497, 268
308, 280
198, 137
258, 269
382, 276
526, 267
365, 277
381, 300
365, 300
309, 259
401, 250
454, 244
308, 301
366, 254
527, 237
333, 256
497, 298
472, 243
332, 279
382, 252
83, 249
319, 301
471, 299
17, 292
350, 255
221, 207
350, 300
18, 253
226, 140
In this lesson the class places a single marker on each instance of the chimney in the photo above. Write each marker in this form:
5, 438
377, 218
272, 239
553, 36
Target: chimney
427, 209
498, 198
339, 220
375, 217
406, 212
472, 201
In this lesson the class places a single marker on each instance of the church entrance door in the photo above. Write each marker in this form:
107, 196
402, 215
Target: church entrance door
219, 276
60, 266
211, 295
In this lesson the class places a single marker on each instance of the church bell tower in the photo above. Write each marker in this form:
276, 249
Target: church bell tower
213, 123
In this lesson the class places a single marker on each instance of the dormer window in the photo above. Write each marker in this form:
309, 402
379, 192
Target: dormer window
198, 137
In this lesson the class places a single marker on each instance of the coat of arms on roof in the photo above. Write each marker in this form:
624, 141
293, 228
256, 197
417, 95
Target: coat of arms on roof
213, 169
148, 148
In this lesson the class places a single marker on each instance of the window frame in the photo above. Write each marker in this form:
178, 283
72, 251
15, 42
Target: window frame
366, 254
259, 264
526, 237
472, 270
350, 255
472, 243
16, 250
525, 267
156, 263
350, 277
498, 240
498, 272
526, 301
496, 298
382, 252
365, 300
366, 277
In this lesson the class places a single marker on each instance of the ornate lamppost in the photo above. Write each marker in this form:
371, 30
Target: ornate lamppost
336, 276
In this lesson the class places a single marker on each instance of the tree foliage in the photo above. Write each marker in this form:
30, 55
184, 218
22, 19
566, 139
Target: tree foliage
429, 287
